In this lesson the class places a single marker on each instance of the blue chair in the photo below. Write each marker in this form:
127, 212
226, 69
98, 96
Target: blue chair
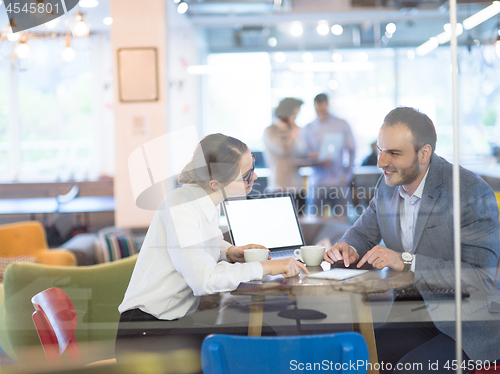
337, 353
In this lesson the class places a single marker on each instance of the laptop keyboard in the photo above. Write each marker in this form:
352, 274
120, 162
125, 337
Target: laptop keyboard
412, 294
282, 254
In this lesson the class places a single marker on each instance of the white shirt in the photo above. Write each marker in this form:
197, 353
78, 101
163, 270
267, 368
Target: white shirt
408, 213
180, 259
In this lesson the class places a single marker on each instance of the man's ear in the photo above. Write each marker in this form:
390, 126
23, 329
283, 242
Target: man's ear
425, 153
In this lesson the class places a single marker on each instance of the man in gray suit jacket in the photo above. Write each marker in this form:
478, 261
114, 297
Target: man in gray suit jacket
412, 213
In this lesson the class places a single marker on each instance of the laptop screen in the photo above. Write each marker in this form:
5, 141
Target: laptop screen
269, 220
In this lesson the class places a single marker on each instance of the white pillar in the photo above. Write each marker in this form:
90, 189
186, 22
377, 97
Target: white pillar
136, 24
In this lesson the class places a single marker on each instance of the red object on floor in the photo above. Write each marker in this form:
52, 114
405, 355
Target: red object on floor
55, 321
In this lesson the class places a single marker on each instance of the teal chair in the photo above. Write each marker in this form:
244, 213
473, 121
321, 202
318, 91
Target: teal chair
335, 353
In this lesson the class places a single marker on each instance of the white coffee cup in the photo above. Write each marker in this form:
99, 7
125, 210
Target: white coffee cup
312, 255
255, 254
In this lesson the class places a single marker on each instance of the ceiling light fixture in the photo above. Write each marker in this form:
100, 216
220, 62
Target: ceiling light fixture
297, 29
333, 84
308, 57
362, 57
107, 21
445, 36
182, 7
23, 50
435, 41
337, 57
68, 54
11, 37
280, 57
337, 29
482, 15
322, 28
272, 42
88, 3
427, 47
390, 28
23, 57
319, 67
81, 28
52, 24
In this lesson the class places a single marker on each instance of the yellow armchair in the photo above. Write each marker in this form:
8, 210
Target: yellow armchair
497, 194
28, 239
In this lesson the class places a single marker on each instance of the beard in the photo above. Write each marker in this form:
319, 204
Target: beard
407, 175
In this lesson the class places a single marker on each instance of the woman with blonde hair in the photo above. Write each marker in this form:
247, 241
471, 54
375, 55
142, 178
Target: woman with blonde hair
184, 255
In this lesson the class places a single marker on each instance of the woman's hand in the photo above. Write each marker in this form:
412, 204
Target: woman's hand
288, 267
236, 253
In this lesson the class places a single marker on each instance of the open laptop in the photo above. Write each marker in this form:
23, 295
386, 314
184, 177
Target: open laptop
270, 220
331, 146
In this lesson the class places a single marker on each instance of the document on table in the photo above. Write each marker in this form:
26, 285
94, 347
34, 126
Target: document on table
337, 274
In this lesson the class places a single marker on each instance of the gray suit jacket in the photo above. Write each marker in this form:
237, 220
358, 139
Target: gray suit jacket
433, 245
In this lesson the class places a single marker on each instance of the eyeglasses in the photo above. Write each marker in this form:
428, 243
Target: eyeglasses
249, 174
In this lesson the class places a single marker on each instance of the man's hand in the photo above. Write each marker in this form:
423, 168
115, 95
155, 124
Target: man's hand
380, 257
236, 253
341, 251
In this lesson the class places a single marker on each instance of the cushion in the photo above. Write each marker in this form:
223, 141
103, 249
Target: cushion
114, 244
5, 261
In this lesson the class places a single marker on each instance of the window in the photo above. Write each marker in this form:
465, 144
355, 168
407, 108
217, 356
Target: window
374, 80
237, 96
54, 135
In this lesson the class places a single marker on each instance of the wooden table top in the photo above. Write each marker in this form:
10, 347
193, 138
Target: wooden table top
372, 281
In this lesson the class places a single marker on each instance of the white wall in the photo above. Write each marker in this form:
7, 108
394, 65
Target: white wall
136, 25
183, 89
156, 25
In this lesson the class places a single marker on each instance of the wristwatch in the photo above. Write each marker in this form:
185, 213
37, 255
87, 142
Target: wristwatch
407, 259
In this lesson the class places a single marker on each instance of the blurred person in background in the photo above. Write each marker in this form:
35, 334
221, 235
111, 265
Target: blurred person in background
329, 183
283, 149
372, 158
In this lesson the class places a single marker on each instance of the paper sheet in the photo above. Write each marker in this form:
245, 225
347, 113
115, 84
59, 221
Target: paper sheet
337, 274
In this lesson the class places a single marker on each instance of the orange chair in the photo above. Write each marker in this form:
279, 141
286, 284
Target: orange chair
28, 239
497, 195
55, 321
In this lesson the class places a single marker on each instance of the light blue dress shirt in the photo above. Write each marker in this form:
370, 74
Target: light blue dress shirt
408, 213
